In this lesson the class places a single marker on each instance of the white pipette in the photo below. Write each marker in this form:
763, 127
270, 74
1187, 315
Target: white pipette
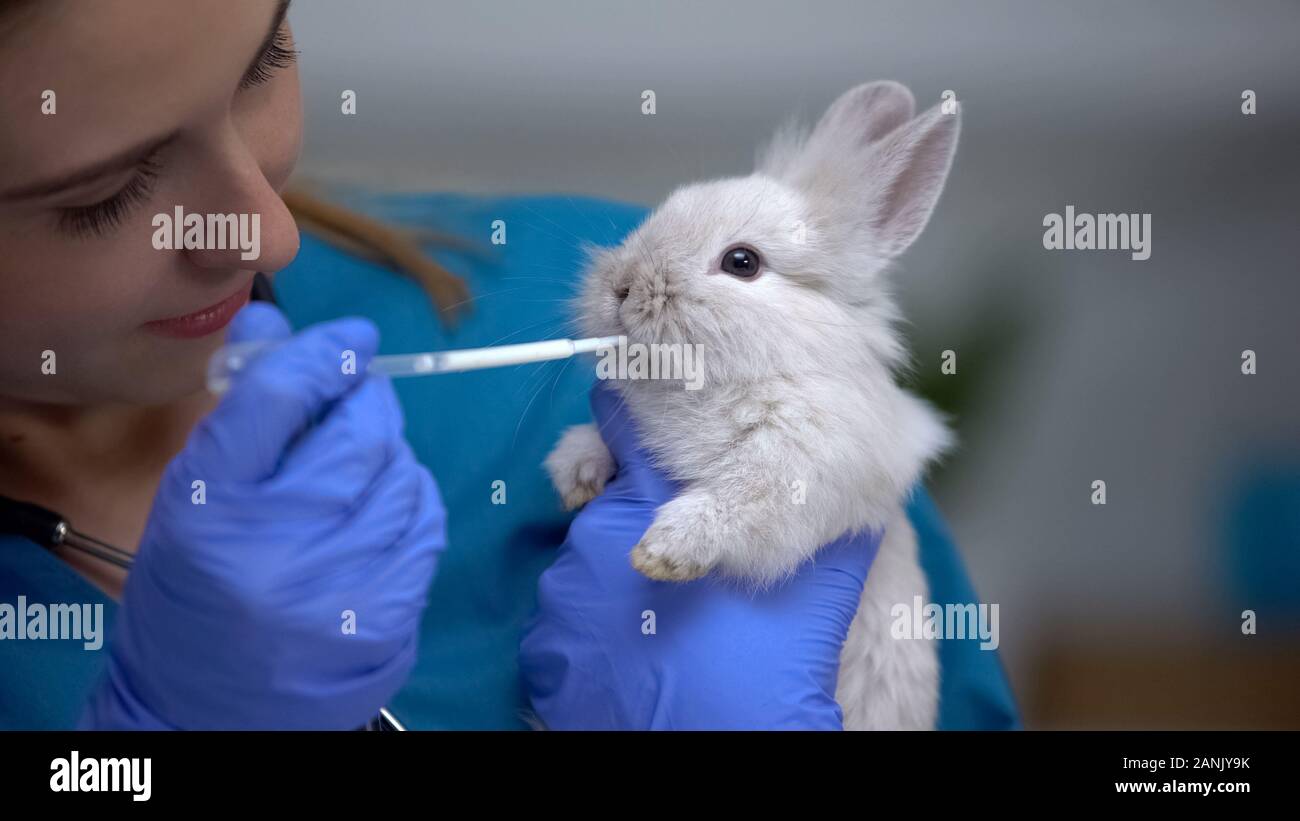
232, 359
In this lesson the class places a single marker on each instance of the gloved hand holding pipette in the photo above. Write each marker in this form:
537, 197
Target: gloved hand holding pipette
288, 554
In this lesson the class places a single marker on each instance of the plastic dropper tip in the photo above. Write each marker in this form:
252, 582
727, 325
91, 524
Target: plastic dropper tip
594, 344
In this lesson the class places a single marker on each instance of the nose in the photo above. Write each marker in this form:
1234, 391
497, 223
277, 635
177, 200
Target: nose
255, 232
239, 202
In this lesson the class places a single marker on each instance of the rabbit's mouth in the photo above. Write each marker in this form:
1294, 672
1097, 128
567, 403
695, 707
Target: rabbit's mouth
643, 332
650, 314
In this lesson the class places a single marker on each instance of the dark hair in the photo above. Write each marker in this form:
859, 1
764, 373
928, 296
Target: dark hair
13, 13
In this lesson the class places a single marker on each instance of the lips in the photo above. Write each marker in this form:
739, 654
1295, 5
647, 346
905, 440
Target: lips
202, 322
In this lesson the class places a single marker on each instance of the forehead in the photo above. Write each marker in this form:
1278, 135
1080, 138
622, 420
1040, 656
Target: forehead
729, 210
120, 70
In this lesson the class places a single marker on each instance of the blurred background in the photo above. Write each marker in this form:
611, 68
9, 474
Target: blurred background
1072, 366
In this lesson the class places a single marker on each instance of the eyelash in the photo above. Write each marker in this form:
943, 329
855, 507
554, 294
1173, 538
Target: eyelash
279, 54
103, 216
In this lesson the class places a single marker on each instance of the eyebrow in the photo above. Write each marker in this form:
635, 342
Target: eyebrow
133, 156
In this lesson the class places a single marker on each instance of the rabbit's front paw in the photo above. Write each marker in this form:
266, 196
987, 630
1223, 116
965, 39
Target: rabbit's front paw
653, 562
676, 547
579, 465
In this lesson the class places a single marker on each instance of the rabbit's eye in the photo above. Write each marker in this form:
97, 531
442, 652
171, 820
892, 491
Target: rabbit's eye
741, 261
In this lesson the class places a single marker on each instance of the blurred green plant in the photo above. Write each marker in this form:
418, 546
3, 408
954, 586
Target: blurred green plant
985, 347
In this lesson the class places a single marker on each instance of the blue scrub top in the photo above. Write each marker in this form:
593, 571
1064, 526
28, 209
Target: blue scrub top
472, 430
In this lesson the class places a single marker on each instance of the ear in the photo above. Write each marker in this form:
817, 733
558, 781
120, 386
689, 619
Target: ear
859, 116
868, 155
905, 173
868, 112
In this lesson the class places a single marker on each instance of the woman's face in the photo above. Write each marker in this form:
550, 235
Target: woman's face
156, 105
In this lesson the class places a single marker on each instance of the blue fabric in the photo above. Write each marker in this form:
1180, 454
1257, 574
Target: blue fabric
45, 683
474, 430
973, 689
1261, 543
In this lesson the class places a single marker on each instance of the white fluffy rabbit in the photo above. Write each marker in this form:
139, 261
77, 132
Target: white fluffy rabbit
798, 433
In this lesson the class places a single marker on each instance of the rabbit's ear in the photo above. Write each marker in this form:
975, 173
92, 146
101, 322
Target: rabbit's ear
868, 112
904, 175
868, 153
859, 116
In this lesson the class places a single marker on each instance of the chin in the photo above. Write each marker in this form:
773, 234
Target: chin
165, 377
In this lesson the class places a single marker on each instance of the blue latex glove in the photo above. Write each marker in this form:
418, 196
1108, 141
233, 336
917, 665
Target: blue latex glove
721, 657
236, 613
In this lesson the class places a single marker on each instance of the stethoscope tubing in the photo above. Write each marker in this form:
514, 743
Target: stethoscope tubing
51, 531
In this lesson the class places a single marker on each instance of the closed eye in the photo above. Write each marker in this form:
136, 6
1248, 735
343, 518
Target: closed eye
99, 218
278, 53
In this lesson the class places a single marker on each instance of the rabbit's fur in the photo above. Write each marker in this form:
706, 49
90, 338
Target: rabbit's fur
799, 433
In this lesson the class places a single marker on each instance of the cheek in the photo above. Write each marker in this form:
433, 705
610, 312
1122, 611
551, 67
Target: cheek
82, 304
732, 307
82, 287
